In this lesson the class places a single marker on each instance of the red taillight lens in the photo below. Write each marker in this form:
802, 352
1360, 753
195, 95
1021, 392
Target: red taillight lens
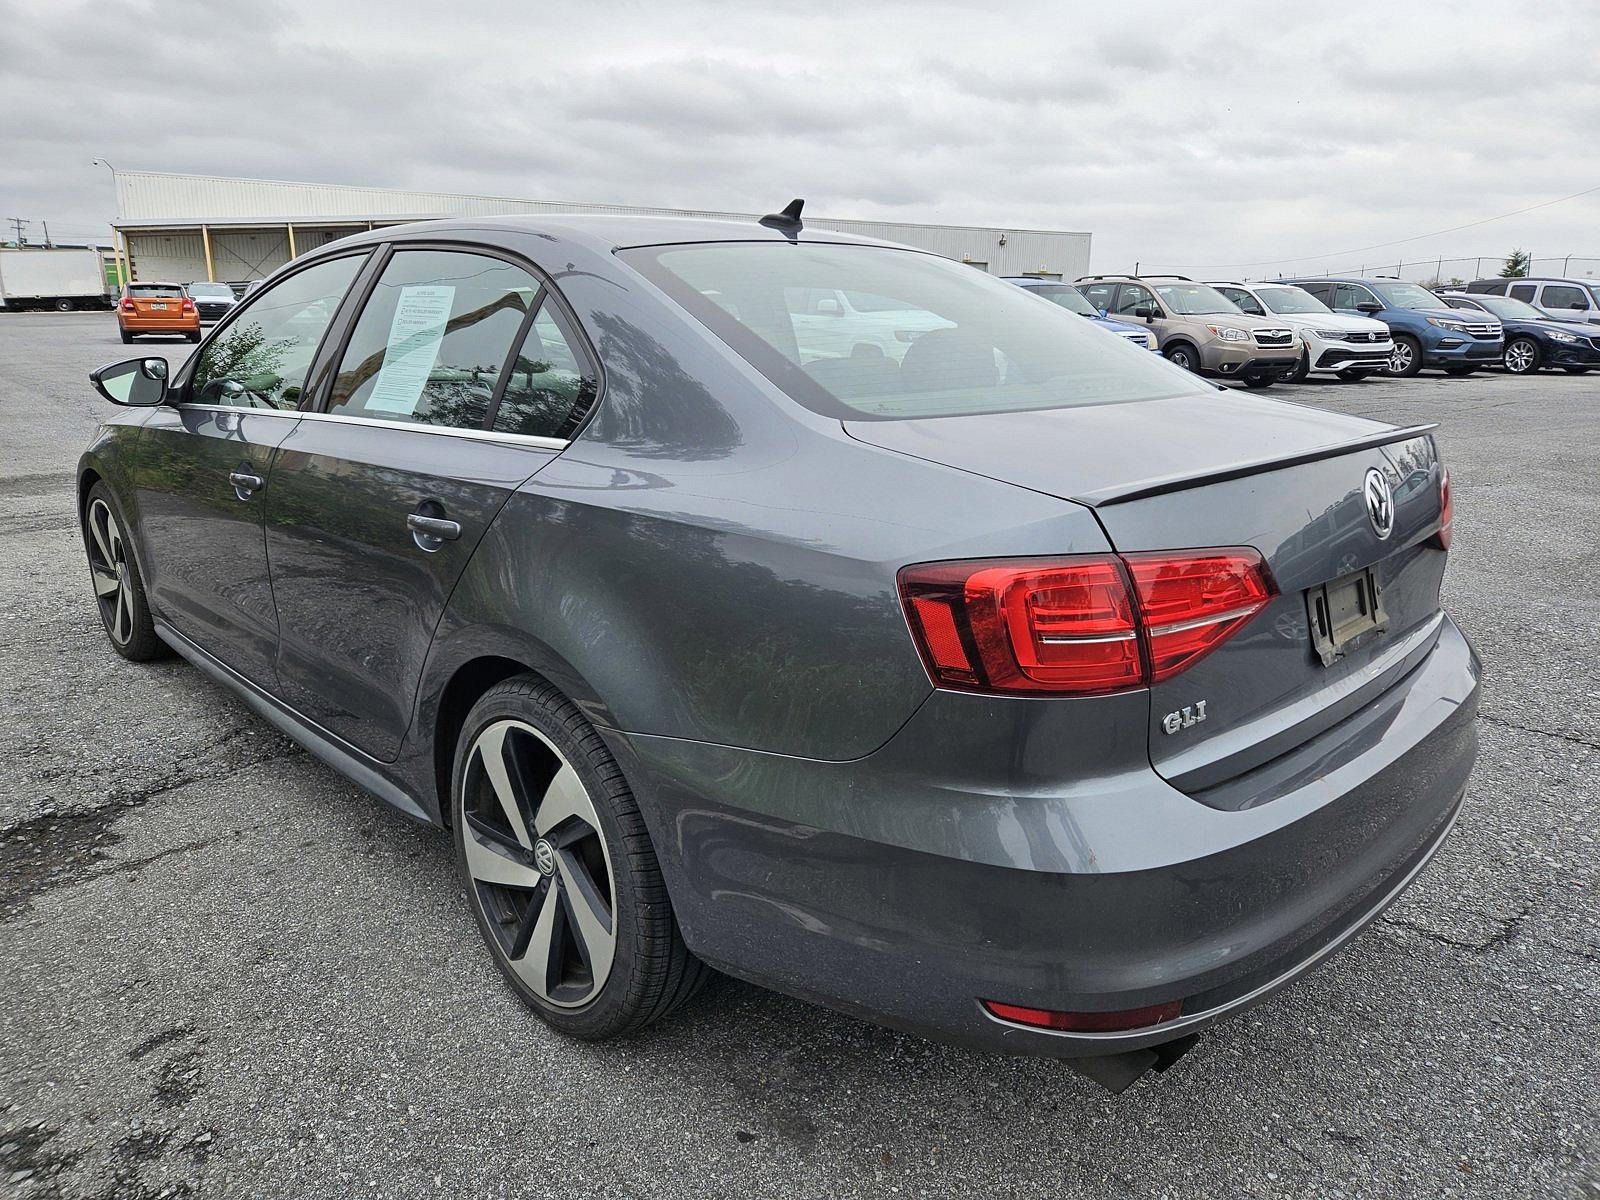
1193, 602
127, 304
1446, 509
1086, 1022
1075, 625
1023, 626
187, 305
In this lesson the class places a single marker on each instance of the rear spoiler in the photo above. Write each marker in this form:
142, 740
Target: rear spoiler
1162, 484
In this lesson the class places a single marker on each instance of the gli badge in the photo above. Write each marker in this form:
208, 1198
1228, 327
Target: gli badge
1187, 716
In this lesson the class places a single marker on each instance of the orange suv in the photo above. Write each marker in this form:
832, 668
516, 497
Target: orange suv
157, 308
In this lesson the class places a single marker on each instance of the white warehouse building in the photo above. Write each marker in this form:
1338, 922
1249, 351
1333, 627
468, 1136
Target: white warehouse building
183, 228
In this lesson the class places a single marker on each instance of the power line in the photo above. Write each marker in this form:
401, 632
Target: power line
1272, 262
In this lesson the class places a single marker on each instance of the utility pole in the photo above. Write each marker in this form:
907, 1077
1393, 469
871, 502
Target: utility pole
18, 222
47, 244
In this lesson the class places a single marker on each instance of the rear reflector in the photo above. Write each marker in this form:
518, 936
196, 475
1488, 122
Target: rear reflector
1446, 508
1084, 625
1086, 1022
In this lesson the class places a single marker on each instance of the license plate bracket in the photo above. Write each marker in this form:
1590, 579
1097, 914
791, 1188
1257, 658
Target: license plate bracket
1342, 612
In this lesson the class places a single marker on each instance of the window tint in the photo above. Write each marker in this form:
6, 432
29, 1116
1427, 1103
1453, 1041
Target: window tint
433, 338
1322, 291
1244, 300
552, 382
170, 291
1564, 296
954, 341
1132, 296
1522, 291
1348, 295
260, 358
1098, 294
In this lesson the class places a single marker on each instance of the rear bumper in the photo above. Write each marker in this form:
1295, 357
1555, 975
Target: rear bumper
188, 324
1023, 851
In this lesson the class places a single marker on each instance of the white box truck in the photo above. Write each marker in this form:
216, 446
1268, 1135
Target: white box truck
58, 279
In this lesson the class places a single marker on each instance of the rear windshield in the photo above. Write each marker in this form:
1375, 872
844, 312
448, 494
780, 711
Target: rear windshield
169, 290
936, 339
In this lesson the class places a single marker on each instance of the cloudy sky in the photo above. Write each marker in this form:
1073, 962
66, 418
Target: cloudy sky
1213, 136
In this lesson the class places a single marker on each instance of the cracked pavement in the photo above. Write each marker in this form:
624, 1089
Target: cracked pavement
228, 972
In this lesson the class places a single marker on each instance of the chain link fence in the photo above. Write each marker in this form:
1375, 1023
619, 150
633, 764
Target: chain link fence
1447, 270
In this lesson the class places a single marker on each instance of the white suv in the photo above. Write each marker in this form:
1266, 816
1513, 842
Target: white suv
1350, 347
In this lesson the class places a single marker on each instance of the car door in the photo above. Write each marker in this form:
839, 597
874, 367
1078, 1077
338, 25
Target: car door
1134, 298
206, 464
456, 383
1346, 297
1566, 302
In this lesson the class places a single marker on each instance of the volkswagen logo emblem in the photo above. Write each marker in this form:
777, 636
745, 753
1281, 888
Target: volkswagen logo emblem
1380, 502
544, 857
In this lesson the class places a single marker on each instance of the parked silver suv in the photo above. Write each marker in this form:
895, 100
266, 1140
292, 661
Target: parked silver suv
1198, 327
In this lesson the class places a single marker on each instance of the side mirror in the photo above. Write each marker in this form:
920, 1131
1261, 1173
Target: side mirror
1148, 311
136, 383
1369, 306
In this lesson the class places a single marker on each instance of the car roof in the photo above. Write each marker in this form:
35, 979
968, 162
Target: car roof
605, 232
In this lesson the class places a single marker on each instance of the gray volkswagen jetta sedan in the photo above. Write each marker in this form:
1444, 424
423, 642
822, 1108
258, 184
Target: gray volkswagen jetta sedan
810, 608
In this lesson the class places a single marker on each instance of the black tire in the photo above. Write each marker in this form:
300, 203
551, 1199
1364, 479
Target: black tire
650, 972
1302, 369
125, 611
127, 338
193, 337
1459, 372
1181, 354
1260, 379
1356, 374
1523, 356
65, 305
1406, 360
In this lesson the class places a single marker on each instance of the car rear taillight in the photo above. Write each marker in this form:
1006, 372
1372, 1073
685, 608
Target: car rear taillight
1446, 509
187, 305
1083, 625
1192, 602
127, 304
1086, 1022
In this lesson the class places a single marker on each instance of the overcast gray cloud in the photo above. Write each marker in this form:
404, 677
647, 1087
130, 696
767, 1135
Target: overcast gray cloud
1179, 134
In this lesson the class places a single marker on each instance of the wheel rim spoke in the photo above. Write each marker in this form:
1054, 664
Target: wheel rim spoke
563, 800
540, 963
490, 863
105, 581
591, 919
493, 749
124, 626
98, 516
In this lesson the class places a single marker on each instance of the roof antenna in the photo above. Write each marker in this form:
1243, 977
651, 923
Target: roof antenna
788, 220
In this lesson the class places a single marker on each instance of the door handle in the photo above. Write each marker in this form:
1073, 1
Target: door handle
431, 532
244, 483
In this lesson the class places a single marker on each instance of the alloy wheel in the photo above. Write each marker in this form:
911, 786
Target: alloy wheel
108, 564
1400, 358
539, 863
1521, 355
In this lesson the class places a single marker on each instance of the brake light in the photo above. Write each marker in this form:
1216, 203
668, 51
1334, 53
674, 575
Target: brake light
127, 304
1083, 625
1086, 1022
1446, 508
1193, 603
187, 305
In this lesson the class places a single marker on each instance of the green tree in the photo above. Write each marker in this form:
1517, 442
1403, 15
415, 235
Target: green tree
1516, 265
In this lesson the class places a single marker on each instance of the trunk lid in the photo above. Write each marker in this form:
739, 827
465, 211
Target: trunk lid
1235, 471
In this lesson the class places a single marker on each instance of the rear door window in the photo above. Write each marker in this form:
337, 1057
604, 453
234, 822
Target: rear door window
433, 339
1322, 291
1099, 294
1522, 291
1244, 300
552, 383
1347, 295
1563, 296
261, 357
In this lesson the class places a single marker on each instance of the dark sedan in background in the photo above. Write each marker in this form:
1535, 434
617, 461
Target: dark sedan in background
1535, 340
999, 681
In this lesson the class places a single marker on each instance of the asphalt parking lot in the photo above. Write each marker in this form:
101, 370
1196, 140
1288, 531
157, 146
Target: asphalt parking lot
230, 972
